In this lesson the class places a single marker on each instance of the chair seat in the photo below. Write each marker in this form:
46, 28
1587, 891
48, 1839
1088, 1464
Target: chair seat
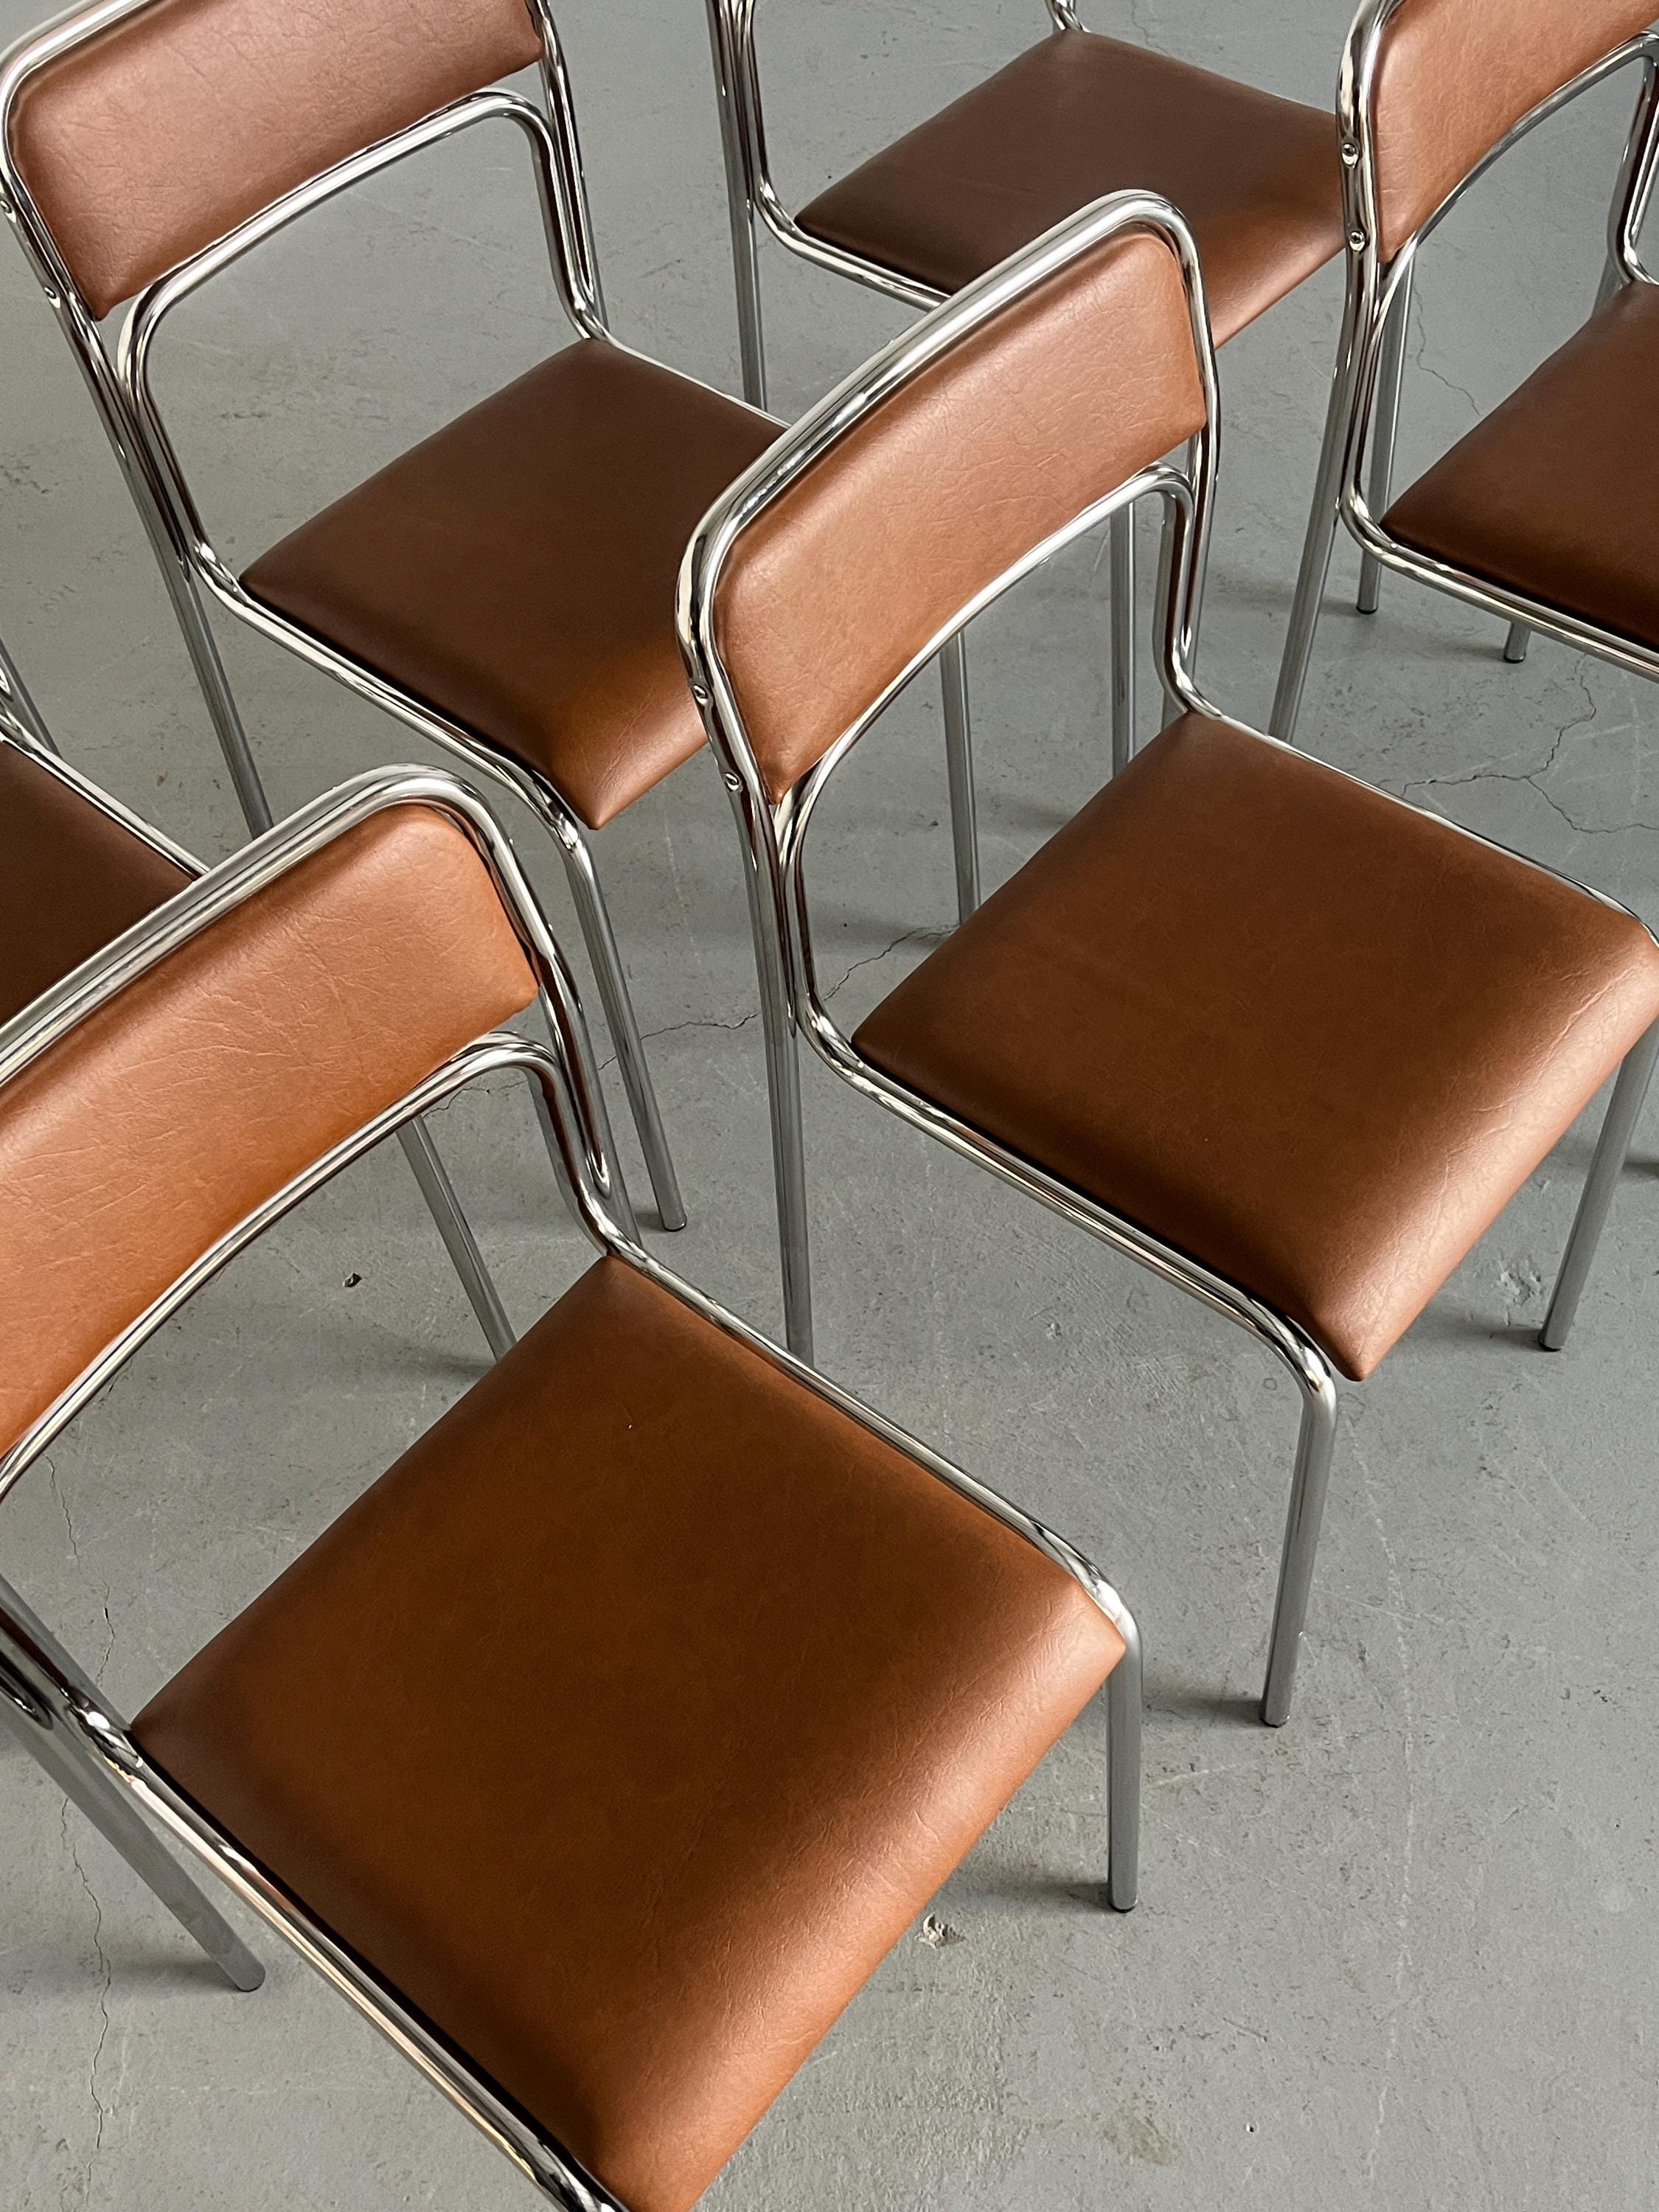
1078, 116
517, 570
1308, 1035
72, 878
1556, 493
628, 1721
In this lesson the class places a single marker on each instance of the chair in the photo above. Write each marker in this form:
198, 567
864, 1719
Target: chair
1289, 1043
1076, 116
77, 869
1431, 94
600, 1750
507, 588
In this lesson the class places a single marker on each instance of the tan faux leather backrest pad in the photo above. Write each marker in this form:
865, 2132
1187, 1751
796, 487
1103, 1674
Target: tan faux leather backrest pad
836, 586
161, 133
1453, 75
164, 1118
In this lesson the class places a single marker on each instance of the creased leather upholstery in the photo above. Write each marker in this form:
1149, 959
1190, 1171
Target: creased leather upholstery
1556, 492
626, 1723
1453, 78
72, 879
518, 570
179, 122
1311, 1035
1079, 116
831, 591
161, 1120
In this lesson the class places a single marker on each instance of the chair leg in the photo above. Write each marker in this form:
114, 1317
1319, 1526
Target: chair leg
1171, 708
204, 650
1123, 637
456, 1230
33, 1707
1515, 643
419, 1150
1624, 1110
1322, 519
959, 766
751, 334
1314, 1447
740, 214
788, 1158
1386, 434
593, 1109
1124, 1705
602, 949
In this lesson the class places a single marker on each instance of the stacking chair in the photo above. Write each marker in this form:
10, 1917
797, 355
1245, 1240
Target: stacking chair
77, 869
1542, 515
1073, 117
653, 1622
1431, 94
1289, 1043
507, 588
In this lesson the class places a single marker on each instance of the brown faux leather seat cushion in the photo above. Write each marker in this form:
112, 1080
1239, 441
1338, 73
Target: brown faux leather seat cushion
627, 1722
71, 879
1078, 116
517, 570
1556, 493
1311, 1035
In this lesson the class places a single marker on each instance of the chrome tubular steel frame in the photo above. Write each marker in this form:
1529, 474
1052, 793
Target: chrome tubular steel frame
20, 721
193, 569
751, 201
774, 834
54, 1705
20, 717
1365, 400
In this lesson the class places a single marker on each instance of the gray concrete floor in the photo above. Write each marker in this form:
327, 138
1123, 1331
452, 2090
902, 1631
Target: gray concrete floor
1403, 1951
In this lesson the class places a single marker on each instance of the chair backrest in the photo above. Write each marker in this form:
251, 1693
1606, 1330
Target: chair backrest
153, 134
1451, 78
938, 489
170, 1111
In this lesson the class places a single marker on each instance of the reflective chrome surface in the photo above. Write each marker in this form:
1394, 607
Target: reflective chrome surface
774, 838
752, 200
53, 1707
21, 723
1364, 401
119, 378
